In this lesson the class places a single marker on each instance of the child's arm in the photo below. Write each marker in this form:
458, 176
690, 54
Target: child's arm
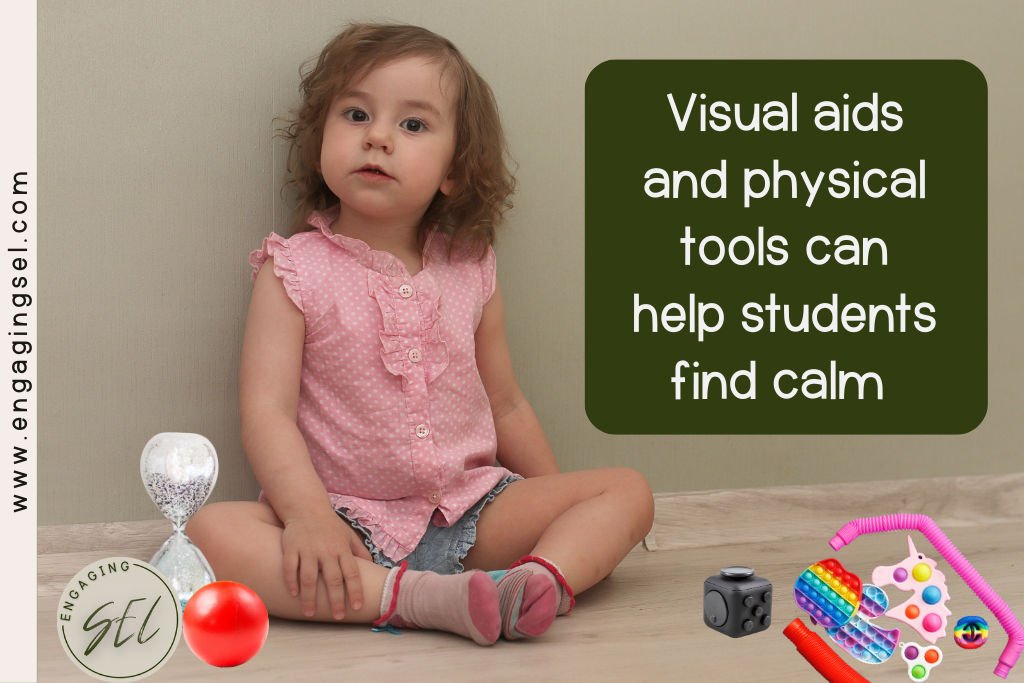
315, 540
522, 446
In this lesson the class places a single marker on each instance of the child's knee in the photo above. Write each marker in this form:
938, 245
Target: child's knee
635, 486
202, 526
209, 526
631, 481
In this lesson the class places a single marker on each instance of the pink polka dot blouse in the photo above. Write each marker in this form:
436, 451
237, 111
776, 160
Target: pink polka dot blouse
391, 405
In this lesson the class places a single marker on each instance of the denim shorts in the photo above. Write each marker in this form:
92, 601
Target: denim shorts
442, 548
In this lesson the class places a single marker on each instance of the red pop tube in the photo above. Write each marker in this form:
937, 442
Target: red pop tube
820, 655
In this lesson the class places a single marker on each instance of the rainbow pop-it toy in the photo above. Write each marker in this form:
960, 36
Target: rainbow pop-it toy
829, 593
860, 638
926, 610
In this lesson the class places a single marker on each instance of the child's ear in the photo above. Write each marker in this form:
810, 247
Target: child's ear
448, 184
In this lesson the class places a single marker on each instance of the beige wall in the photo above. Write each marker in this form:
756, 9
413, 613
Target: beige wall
158, 174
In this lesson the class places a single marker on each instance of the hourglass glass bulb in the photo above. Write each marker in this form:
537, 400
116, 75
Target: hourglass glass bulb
179, 472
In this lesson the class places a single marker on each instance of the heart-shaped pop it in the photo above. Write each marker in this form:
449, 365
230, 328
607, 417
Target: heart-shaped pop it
829, 593
926, 610
920, 659
860, 638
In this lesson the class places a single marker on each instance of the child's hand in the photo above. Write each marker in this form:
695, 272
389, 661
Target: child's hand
323, 545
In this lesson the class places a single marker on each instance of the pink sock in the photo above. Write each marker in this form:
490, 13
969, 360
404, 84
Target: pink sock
466, 604
530, 594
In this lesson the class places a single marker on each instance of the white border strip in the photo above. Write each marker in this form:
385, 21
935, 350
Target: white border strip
19, 311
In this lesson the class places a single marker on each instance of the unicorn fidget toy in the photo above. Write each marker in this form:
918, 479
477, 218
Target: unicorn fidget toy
926, 610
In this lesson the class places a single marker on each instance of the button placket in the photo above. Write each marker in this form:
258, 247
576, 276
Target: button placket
416, 391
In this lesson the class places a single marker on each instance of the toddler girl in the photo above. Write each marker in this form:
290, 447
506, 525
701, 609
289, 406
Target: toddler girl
376, 385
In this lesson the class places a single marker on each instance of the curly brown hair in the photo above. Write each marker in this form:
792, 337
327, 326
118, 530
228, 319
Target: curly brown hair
483, 182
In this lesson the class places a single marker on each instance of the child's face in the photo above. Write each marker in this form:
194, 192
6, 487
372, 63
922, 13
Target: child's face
398, 119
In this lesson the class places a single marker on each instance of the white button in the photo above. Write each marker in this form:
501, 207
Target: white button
435, 497
415, 356
422, 431
405, 291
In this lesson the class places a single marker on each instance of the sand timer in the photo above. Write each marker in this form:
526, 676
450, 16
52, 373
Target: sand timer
179, 471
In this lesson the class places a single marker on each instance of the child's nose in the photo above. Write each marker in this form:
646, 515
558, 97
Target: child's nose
378, 134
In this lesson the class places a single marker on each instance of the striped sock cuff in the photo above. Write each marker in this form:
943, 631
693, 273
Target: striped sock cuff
389, 596
568, 600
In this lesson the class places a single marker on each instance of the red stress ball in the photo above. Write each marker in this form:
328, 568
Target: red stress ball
225, 623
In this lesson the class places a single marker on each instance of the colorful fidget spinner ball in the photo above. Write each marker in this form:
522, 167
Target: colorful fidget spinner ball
225, 623
920, 659
971, 632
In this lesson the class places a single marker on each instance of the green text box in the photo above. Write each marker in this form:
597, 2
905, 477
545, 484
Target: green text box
928, 145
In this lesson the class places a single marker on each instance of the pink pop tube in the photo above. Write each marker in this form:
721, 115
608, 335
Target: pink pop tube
970, 575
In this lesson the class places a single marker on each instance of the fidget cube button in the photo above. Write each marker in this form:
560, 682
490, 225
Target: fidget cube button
737, 603
829, 593
920, 659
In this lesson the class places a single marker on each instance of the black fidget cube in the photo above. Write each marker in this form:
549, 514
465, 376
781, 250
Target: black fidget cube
737, 603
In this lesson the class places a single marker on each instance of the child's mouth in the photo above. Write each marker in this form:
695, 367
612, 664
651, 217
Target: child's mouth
373, 174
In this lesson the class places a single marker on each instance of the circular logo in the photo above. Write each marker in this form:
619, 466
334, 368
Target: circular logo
119, 619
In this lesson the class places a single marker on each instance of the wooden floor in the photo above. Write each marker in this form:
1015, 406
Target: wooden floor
645, 621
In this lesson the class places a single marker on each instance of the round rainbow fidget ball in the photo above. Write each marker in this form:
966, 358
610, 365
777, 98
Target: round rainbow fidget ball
971, 632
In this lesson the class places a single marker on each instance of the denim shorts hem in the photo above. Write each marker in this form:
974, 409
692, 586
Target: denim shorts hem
441, 549
467, 537
376, 553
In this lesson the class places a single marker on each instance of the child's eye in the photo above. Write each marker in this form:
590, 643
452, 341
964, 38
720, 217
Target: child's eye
357, 115
414, 125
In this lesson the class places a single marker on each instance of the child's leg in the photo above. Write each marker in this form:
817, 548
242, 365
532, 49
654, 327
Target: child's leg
242, 542
583, 522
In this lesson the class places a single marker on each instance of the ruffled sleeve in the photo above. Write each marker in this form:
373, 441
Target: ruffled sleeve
489, 273
277, 247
